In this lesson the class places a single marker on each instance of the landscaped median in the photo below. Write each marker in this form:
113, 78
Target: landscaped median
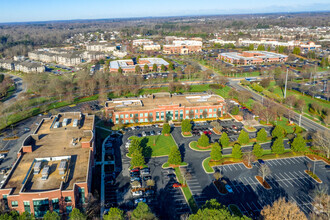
193, 145
313, 175
186, 134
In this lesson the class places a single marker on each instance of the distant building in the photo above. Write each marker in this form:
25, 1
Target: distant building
128, 66
252, 57
164, 106
222, 42
101, 47
309, 46
152, 47
53, 170
119, 53
64, 57
92, 55
183, 47
25, 66
141, 42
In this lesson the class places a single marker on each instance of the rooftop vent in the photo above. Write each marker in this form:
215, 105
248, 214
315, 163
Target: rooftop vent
57, 124
37, 167
75, 123
65, 122
45, 173
62, 167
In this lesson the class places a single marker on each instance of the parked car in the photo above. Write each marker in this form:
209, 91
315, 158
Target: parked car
149, 192
145, 171
261, 161
159, 132
176, 185
229, 189
139, 135
137, 127
135, 170
144, 133
145, 178
135, 179
135, 174
27, 129
171, 175
137, 193
152, 133
136, 201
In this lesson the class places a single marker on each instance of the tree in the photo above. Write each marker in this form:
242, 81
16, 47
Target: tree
262, 135
137, 159
265, 82
51, 216
243, 137
298, 144
163, 67
145, 68
142, 211
166, 129
321, 203
28, 216
278, 132
300, 104
217, 176
261, 47
154, 67
282, 209
257, 150
237, 151
137, 69
77, 215
214, 210
170, 66
120, 70
296, 50
249, 157
175, 156
203, 141
191, 114
264, 171
134, 145
135, 184
204, 113
216, 153
224, 140
114, 214
186, 125
150, 183
251, 47
278, 146
235, 110
321, 141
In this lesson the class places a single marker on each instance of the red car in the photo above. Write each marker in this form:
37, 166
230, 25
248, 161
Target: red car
135, 170
177, 185
207, 132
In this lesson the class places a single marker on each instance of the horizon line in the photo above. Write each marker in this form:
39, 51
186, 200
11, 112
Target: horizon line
170, 16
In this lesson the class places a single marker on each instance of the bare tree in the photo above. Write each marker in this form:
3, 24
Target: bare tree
321, 140
217, 176
249, 157
264, 171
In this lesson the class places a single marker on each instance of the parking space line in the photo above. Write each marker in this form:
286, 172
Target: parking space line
243, 207
260, 204
285, 161
268, 163
255, 206
229, 167
249, 206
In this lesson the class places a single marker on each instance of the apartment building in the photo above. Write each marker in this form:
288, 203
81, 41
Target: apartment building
153, 47
252, 57
22, 66
183, 47
101, 47
164, 106
67, 58
53, 170
141, 42
128, 66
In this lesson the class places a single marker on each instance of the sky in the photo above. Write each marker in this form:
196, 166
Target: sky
46, 10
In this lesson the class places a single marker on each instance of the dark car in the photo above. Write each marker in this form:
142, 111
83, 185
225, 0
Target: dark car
145, 178
139, 135
261, 161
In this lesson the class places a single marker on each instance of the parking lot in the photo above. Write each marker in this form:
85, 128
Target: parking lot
287, 179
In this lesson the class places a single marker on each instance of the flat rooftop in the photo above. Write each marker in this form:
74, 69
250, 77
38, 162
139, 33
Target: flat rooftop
263, 54
52, 143
156, 101
126, 63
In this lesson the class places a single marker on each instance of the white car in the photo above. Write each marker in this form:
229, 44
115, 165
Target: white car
137, 193
144, 134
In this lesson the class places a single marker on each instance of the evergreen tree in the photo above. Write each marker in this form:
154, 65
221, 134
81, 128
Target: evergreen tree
296, 50
114, 214
120, 70
166, 129
261, 47
216, 153
137, 159
77, 215
145, 68
278, 132
258, 150
163, 67
154, 67
171, 66
224, 140
251, 47
262, 135
243, 137
186, 125
137, 69
51, 216
135, 145
142, 211
298, 144
28, 216
175, 156
203, 141
237, 152
278, 146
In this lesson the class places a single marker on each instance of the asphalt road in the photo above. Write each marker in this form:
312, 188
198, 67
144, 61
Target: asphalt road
20, 88
305, 122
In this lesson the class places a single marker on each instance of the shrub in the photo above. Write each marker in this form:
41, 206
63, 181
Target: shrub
203, 141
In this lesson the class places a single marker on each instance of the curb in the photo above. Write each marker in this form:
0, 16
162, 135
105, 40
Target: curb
263, 185
186, 136
204, 167
218, 190
313, 178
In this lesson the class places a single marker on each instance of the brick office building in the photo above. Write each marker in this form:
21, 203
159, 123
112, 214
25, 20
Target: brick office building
183, 47
128, 66
161, 106
252, 57
54, 167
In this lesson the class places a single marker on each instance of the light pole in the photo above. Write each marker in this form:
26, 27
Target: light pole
286, 82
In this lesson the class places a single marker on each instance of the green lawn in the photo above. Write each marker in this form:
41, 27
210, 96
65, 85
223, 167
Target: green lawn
158, 145
206, 165
167, 165
10, 91
284, 123
193, 145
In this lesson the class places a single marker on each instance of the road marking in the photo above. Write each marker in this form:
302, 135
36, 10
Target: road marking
229, 167
249, 206
284, 161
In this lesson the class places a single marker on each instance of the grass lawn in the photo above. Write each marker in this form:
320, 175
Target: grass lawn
193, 145
186, 191
10, 91
167, 165
158, 145
206, 165
285, 124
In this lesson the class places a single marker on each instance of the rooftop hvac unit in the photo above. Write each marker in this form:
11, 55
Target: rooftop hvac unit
57, 124
75, 123
37, 167
45, 173
62, 167
65, 122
